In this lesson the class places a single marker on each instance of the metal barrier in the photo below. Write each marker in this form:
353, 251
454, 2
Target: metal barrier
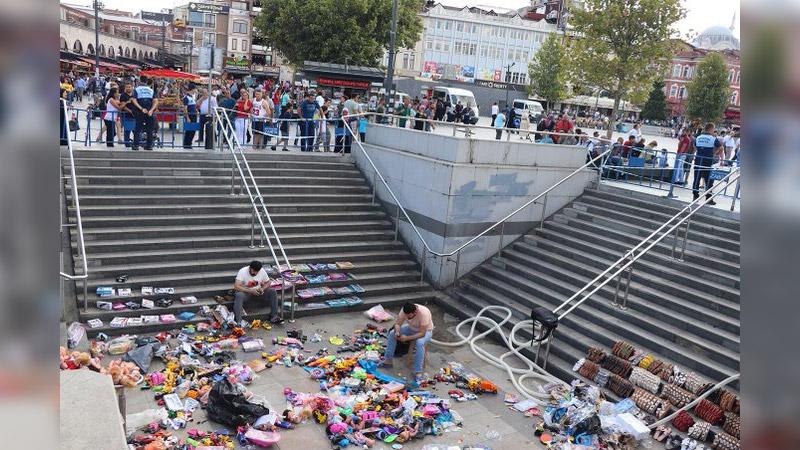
76, 204
228, 135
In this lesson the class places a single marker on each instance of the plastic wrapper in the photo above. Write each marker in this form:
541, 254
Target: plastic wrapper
378, 314
135, 421
120, 345
141, 356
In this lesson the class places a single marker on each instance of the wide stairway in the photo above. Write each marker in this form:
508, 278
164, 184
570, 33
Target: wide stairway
169, 220
684, 312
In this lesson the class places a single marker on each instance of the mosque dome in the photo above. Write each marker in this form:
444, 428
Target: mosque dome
717, 38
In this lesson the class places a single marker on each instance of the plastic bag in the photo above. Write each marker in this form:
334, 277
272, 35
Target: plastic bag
378, 314
135, 421
75, 334
120, 345
141, 356
228, 406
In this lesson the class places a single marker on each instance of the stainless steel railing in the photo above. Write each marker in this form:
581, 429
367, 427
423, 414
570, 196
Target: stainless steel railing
228, 137
76, 204
501, 223
623, 267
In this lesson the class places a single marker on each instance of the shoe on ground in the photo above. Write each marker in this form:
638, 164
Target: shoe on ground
273, 148
386, 363
276, 320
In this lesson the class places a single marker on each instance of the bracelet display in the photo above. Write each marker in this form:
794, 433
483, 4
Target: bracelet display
596, 355
724, 441
695, 384
617, 365
732, 424
622, 349
620, 386
646, 380
683, 421
700, 430
677, 396
709, 412
650, 403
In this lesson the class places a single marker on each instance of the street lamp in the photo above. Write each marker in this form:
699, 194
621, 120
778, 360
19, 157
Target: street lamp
508, 79
97, 5
392, 52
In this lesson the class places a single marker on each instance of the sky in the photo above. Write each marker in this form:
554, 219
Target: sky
700, 15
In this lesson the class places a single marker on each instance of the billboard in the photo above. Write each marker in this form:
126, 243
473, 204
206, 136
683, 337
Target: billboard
432, 70
156, 17
229, 63
209, 8
465, 74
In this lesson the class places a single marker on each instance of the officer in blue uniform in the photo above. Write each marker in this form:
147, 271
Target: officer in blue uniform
705, 143
145, 104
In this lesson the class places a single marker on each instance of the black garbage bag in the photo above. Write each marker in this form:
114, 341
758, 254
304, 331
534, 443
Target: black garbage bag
589, 425
141, 356
227, 406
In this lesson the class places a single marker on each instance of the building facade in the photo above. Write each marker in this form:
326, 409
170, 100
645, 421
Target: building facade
682, 70
469, 44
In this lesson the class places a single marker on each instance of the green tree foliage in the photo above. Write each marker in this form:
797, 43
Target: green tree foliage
709, 91
656, 106
336, 31
547, 71
622, 46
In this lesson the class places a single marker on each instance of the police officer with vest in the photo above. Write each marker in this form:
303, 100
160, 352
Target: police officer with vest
705, 143
145, 104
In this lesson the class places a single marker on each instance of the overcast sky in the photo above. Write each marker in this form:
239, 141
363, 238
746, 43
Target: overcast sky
701, 14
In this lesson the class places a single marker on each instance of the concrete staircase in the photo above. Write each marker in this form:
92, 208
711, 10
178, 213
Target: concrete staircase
167, 219
685, 312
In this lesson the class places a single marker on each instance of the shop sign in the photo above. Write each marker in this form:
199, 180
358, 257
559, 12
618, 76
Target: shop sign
235, 64
156, 17
209, 8
343, 83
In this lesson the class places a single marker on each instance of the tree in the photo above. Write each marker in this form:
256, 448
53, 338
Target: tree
336, 31
656, 106
548, 71
709, 91
622, 46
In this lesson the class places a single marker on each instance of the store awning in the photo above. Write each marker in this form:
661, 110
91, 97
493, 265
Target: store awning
75, 62
168, 73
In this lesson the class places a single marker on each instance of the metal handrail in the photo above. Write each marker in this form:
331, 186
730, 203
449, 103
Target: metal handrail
232, 140
631, 258
79, 221
428, 249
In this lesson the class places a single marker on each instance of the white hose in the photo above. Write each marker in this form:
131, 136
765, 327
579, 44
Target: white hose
532, 371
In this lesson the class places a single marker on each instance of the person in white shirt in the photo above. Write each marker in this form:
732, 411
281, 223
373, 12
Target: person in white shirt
320, 99
729, 142
206, 106
252, 282
495, 111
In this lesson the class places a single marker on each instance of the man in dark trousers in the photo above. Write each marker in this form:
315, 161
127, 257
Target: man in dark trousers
705, 143
308, 107
145, 104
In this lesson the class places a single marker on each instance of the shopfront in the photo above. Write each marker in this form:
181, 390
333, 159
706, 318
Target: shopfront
337, 79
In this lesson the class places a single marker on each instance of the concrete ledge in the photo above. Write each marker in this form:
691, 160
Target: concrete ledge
89, 412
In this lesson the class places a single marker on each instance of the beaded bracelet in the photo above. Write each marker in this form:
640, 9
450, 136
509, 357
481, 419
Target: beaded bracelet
732, 424
709, 412
596, 355
650, 403
620, 386
677, 396
644, 379
637, 357
589, 369
646, 361
666, 371
724, 441
683, 421
695, 384
699, 430
729, 401
617, 366
622, 349
602, 377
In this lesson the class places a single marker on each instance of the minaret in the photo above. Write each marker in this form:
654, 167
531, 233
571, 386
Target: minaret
733, 22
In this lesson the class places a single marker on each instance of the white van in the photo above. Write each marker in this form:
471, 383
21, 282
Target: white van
533, 109
455, 95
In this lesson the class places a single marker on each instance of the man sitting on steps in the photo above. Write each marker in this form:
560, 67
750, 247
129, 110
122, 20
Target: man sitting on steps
413, 322
253, 282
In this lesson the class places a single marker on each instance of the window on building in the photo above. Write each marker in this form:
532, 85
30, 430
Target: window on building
446, 46
240, 27
405, 61
460, 26
429, 44
209, 38
685, 71
498, 52
673, 91
735, 98
738, 74
472, 49
676, 70
474, 29
244, 45
196, 19
483, 51
510, 54
438, 45
730, 76
457, 47
210, 20
682, 92
241, 6
501, 32
525, 55
233, 44
448, 25
438, 24
412, 61
512, 34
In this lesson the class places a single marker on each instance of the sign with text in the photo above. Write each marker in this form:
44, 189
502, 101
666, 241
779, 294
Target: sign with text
156, 17
343, 83
209, 8
229, 63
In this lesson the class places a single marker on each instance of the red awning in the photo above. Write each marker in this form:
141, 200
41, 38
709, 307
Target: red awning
75, 62
168, 73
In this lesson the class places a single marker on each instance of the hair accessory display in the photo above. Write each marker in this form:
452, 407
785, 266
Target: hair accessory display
655, 366
677, 396
666, 371
709, 412
646, 380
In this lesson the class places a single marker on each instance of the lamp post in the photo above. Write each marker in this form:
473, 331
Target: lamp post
392, 52
97, 5
508, 79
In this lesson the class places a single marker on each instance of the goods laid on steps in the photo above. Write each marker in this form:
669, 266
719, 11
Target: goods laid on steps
724, 441
622, 349
620, 386
314, 292
709, 412
617, 366
596, 355
732, 424
700, 431
327, 277
695, 384
646, 380
344, 301
650, 403
677, 396
683, 421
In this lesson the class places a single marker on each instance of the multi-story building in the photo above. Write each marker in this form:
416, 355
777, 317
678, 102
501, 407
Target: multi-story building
683, 67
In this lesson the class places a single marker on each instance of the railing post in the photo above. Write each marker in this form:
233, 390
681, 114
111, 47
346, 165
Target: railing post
685, 239
624, 304
374, 186
544, 212
735, 194
294, 304
508, 134
500, 244
85, 291
252, 228
454, 129
397, 223
458, 261
422, 269
232, 173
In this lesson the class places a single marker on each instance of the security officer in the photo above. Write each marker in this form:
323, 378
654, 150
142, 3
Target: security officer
705, 143
145, 103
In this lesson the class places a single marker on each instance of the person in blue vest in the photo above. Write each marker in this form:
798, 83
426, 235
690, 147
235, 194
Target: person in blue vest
145, 104
308, 108
705, 143
190, 105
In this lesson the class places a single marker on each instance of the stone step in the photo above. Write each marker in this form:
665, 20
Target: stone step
225, 188
373, 283
664, 205
388, 301
642, 228
207, 157
683, 299
236, 262
242, 229
240, 208
290, 170
221, 240
643, 313
603, 329
214, 199
647, 215
189, 220
610, 238
264, 181
192, 254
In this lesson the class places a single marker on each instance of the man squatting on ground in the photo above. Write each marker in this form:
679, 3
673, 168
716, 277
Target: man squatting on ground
413, 323
252, 282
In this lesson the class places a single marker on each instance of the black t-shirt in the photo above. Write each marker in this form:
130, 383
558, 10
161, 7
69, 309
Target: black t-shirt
123, 98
